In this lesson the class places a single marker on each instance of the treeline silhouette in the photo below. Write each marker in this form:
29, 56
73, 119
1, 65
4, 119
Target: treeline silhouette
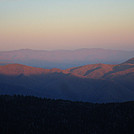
32, 115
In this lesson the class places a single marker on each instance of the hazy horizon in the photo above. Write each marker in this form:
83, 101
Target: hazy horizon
58, 24
114, 49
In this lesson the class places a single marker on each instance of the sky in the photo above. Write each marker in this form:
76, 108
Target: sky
66, 24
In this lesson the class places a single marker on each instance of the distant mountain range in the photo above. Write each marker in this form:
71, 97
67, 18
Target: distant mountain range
65, 58
92, 83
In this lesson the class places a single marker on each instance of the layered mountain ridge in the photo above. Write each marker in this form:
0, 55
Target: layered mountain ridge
65, 58
92, 83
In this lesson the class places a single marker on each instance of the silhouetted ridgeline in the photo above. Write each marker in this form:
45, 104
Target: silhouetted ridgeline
31, 115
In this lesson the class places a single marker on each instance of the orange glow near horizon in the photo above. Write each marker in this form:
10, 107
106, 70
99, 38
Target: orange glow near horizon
66, 25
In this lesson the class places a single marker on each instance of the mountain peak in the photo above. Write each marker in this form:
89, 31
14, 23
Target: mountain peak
130, 61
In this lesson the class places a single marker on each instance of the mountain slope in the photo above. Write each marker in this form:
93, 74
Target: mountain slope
130, 61
105, 71
18, 69
94, 71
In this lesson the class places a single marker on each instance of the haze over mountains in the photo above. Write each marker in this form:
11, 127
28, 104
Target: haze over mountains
92, 83
65, 58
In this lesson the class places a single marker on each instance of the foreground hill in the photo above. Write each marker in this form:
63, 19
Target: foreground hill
92, 83
65, 58
30, 115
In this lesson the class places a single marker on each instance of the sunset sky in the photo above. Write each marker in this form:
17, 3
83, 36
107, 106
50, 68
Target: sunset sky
66, 24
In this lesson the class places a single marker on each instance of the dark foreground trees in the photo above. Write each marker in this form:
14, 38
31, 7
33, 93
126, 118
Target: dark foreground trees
31, 115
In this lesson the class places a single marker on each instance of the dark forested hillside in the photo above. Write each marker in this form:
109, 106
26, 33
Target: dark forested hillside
31, 115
